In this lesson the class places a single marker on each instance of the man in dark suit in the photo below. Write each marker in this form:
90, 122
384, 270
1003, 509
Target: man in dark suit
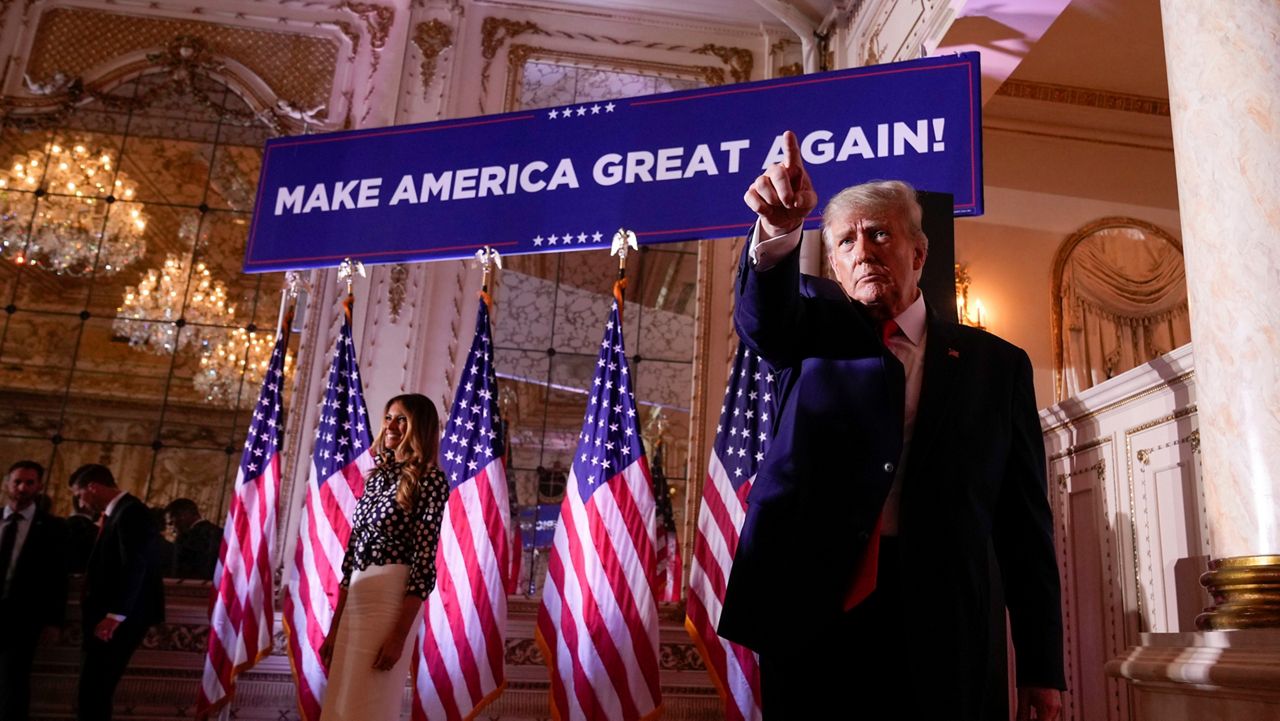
33, 584
123, 590
196, 540
904, 484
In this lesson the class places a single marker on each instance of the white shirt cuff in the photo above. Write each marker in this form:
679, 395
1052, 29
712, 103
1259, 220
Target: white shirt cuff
766, 253
118, 618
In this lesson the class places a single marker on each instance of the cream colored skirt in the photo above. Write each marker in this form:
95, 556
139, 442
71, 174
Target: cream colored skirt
356, 691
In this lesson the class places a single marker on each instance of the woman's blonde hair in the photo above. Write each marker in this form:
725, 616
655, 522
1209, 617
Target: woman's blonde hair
418, 447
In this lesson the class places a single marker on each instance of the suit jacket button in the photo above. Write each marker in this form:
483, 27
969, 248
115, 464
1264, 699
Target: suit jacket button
864, 536
888, 468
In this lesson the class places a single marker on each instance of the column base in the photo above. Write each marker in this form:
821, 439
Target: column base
1208, 676
1245, 591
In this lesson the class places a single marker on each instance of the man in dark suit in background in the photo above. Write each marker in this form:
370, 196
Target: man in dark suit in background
123, 590
196, 541
33, 584
906, 463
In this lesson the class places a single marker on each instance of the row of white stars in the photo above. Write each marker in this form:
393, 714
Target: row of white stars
568, 239
581, 110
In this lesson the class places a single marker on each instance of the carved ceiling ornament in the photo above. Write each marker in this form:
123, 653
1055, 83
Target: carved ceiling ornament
397, 291
377, 21
432, 38
739, 60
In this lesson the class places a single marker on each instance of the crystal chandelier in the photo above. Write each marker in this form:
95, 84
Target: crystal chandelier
241, 351
77, 205
152, 313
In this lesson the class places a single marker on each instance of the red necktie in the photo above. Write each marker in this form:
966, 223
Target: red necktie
864, 575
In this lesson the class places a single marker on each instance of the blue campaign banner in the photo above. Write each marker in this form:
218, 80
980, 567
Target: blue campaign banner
669, 167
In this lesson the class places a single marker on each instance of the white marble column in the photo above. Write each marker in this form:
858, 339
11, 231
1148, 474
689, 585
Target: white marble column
1224, 88
1224, 92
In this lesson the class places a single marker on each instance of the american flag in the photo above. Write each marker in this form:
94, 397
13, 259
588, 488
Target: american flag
598, 622
461, 646
741, 437
338, 466
241, 620
667, 547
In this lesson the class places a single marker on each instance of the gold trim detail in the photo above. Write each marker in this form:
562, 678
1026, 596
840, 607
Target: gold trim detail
1246, 593
1133, 500
1059, 265
1176, 380
377, 21
739, 61
1085, 97
432, 38
1079, 448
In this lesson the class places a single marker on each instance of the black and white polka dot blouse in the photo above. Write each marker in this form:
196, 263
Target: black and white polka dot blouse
382, 532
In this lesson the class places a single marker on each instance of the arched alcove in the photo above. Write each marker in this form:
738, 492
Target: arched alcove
1119, 299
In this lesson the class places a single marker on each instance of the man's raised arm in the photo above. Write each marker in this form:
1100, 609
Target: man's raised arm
769, 314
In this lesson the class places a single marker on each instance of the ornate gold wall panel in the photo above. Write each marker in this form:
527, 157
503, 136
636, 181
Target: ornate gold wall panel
75, 41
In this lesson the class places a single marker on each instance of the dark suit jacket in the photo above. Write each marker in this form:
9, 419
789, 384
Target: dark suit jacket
123, 574
974, 484
38, 594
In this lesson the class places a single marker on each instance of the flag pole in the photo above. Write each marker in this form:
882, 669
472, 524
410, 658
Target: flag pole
622, 240
486, 259
288, 300
347, 270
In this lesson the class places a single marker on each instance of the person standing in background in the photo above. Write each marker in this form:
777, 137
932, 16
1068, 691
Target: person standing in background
33, 584
123, 592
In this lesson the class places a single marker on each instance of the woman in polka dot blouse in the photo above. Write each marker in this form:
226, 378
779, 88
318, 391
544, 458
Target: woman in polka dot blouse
389, 568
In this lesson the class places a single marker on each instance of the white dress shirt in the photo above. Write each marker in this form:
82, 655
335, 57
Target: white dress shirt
906, 344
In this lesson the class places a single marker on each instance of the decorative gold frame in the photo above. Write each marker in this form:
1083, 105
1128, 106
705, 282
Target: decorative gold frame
1063, 253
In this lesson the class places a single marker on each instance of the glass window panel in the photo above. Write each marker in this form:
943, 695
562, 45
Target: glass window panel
129, 464
20, 448
166, 170
37, 352
545, 84
580, 316
154, 286
204, 476
113, 391
233, 181
522, 316
522, 381
120, 379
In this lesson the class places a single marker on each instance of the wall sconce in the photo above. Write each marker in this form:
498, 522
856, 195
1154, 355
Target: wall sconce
970, 314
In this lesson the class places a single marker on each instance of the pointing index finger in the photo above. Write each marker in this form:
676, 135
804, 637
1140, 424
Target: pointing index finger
792, 159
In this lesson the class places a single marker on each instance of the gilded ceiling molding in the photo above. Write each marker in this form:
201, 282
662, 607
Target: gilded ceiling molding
396, 290
738, 60
1085, 97
494, 33
432, 38
353, 36
377, 21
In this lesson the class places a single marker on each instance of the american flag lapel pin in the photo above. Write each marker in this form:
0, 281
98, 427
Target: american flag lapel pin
953, 352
